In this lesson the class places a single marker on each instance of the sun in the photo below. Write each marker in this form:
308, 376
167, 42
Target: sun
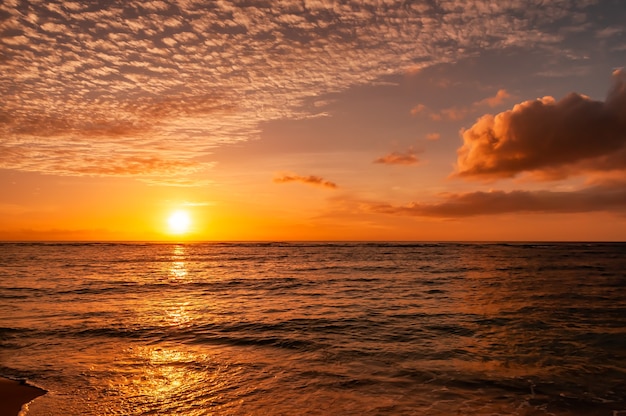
179, 222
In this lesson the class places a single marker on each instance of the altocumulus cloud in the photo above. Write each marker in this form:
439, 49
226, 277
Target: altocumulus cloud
160, 83
550, 138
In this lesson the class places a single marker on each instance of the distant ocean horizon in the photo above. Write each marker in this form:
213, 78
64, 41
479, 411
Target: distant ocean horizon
298, 241
319, 328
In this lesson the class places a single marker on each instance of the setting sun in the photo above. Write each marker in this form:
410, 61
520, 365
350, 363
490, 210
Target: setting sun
179, 222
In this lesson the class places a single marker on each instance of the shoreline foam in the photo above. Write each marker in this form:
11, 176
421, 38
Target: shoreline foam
15, 394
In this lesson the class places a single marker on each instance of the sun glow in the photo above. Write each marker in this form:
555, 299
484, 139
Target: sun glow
179, 222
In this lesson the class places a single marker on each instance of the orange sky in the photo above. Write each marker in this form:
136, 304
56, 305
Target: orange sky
313, 120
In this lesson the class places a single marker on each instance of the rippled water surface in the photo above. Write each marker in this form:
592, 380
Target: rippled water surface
321, 328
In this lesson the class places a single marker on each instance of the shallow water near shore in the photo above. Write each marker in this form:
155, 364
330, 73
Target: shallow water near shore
316, 328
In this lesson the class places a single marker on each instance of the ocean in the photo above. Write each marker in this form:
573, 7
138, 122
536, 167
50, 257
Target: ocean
316, 328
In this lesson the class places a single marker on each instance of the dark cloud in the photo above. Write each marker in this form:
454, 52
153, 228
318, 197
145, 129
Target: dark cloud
548, 137
399, 158
593, 199
311, 180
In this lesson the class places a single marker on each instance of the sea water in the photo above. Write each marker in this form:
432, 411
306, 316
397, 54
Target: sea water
316, 328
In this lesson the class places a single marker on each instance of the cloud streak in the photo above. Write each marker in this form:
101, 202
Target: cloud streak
309, 180
592, 199
459, 113
552, 139
398, 158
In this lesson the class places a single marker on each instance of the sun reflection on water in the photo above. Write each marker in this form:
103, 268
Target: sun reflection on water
178, 269
165, 381
178, 315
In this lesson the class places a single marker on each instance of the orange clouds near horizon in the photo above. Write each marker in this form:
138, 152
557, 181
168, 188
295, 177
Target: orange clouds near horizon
592, 199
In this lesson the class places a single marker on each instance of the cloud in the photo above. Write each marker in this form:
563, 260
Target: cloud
548, 137
399, 158
311, 180
47, 157
592, 199
450, 114
420, 108
500, 97
180, 78
129, 166
457, 113
433, 136
179, 182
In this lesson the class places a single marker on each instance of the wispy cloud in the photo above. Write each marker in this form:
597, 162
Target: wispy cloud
457, 113
552, 139
399, 158
198, 204
177, 181
309, 180
79, 80
418, 109
498, 99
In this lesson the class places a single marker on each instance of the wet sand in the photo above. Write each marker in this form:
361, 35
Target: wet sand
14, 394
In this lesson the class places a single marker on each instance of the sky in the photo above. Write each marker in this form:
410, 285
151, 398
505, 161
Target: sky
313, 120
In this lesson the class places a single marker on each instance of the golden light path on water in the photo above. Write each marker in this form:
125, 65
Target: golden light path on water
178, 270
172, 378
163, 374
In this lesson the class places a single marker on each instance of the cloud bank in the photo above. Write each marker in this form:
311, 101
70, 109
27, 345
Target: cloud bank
552, 139
591, 199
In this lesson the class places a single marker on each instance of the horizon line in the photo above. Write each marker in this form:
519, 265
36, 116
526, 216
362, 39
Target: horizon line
278, 241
